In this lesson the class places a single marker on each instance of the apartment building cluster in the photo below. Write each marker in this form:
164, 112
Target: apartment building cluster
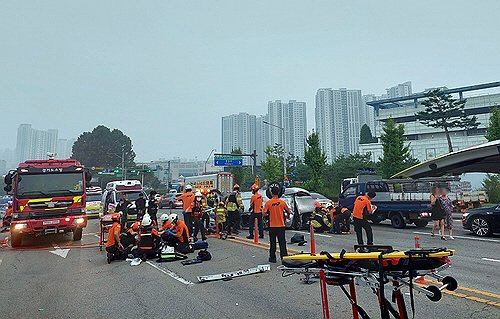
285, 124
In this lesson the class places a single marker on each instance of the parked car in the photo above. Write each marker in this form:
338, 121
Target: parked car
170, 200
482, 221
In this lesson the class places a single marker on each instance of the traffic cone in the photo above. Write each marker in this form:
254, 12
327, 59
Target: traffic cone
313, 243
421, 280
255, 231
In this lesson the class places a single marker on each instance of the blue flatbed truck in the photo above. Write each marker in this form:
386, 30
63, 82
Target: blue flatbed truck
400, 212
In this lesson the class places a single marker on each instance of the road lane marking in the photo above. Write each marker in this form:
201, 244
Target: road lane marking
490, 259
171, 274
59, 252
0, 262
463, 237
315, 234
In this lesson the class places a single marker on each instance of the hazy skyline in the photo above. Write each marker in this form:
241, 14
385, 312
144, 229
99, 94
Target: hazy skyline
165, 72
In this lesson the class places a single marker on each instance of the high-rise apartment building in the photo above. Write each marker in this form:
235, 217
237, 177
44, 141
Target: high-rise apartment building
291, 116
35, 144
249, 132
339, 117
238, 132
65, 148
400, 90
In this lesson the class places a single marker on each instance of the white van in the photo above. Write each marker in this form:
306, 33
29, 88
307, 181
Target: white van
113, 193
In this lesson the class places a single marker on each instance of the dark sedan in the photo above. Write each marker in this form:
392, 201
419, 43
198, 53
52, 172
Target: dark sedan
482, 221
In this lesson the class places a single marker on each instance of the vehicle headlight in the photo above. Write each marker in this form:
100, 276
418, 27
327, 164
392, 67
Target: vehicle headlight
80, 220
20, 226
464, 215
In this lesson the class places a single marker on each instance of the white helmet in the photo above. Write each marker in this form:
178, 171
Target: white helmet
164, 217
172, 218
146, 220
198, 194
188, 187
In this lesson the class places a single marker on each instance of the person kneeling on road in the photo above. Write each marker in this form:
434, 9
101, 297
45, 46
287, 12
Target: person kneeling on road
165, 226
129, 239
198, 210
256, 212
179, 237
275, 208
341, 218
114, 248
363, 207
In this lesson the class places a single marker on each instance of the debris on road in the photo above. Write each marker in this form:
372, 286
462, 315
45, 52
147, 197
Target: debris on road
233, 274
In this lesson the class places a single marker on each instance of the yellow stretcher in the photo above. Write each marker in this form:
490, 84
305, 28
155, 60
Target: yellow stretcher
375, 268
369, 255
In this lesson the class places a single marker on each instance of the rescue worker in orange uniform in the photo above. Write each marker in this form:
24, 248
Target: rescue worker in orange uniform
187, 199
179, 236
7, 218
276, 209
362, 207
114, 248
198, 211
256, 203
340, 215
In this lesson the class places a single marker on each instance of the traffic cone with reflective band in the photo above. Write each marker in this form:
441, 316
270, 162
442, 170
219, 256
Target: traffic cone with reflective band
421, 279
255, 231
313, 243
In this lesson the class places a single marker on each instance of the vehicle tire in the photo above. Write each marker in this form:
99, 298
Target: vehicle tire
420, 223
77, 234
397, 221
480, 226
16, 240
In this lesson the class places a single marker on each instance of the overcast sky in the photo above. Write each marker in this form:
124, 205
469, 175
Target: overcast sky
164, 72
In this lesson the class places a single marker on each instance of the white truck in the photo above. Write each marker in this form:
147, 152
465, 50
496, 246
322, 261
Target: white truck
223, 182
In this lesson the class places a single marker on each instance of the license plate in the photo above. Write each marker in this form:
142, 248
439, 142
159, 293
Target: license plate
51, 222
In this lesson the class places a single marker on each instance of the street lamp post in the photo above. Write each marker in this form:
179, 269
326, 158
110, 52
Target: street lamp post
284, 145
208, 158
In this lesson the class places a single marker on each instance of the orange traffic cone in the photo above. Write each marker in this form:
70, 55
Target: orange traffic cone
421, 280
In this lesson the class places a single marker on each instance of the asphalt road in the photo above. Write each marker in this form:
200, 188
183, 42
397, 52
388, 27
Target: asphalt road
53, 277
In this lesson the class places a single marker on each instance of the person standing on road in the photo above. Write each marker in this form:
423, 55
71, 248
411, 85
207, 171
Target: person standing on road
140, 205
153, 207
205, 218
198, 210
276, 208
122, 207
362, 207
437, 211
187, 199
221, 216
234, 203
255, 212
448, 211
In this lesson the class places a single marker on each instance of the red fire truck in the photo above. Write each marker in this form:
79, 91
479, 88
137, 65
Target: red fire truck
49, 198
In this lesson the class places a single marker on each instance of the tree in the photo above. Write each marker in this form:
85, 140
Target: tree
272, 166
493, 130
443, 111
103, 148
315, 160
396, 155
345, 166
365, 135
491, 185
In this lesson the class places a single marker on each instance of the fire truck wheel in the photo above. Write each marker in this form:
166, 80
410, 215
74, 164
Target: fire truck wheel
16, 239
77, 234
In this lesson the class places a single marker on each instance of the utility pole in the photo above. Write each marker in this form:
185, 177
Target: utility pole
284, 145
142, 177
123, 162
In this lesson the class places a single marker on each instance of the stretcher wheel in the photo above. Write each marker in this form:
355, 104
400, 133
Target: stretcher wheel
450, 282
437, 293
